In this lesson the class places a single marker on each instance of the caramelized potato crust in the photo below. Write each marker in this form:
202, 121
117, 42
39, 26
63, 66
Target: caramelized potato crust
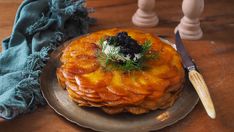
90, 85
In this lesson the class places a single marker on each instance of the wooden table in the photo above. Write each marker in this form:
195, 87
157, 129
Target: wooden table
214, 54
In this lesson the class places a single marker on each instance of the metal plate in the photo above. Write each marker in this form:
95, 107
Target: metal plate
95, 119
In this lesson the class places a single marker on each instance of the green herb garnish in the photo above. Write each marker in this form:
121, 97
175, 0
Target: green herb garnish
146, 46
114, 59
101, 41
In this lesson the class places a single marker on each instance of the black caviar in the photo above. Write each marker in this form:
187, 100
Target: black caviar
128, 46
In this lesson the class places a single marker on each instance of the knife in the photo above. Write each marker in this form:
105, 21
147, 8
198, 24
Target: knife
195, 78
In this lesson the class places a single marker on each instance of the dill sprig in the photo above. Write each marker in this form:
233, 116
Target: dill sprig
101, 41
109, 62
130, 65
146, 46
148, 54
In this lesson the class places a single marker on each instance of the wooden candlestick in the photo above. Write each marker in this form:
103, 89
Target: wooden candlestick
145, 15
189, 26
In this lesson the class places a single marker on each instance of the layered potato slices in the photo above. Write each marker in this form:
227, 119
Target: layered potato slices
89, 84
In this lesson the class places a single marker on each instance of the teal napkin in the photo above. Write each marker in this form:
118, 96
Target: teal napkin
40, 26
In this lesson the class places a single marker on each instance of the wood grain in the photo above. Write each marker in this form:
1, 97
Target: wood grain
214, 54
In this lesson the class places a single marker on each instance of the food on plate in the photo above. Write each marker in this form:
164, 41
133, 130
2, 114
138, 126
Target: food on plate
121, 70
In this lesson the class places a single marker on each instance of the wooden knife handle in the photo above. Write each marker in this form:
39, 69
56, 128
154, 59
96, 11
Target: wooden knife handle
202, 90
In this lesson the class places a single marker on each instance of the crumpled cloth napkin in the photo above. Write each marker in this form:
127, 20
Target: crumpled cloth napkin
40, 26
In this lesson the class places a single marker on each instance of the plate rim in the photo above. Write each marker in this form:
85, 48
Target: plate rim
63, 45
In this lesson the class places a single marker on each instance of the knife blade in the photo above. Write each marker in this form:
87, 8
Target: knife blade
186, 59
195, 78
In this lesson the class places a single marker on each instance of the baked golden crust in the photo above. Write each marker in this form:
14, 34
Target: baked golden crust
137, 92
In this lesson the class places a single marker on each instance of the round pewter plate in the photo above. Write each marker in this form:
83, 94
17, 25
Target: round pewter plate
95, 119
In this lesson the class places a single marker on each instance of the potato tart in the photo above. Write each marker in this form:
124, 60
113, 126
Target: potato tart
141, 73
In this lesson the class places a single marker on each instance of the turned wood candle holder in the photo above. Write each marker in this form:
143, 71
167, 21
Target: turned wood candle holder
189, 26
145, 15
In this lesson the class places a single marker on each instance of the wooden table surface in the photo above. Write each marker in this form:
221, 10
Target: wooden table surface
214, 54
